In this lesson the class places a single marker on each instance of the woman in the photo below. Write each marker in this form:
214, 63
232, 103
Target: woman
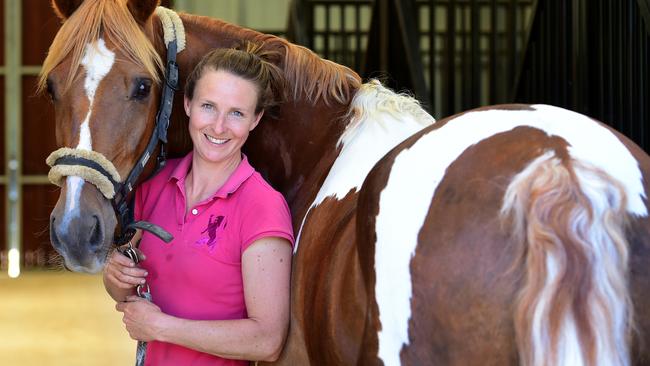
221, 288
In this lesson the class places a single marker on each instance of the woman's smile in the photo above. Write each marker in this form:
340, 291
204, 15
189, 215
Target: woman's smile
214, 140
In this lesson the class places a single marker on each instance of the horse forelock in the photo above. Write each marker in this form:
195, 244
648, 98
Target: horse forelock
93, 20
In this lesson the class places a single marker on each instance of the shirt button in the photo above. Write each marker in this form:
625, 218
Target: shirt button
195, 211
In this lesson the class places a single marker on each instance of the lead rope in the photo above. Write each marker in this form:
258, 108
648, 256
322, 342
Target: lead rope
144, 292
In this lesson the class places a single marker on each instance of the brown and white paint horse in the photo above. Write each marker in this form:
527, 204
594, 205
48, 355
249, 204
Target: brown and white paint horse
505, 235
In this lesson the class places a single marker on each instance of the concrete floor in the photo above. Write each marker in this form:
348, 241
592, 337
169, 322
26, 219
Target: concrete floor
60, 318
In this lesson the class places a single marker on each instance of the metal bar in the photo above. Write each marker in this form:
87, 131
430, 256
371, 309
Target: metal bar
620, 86
328, 30
644, 12
450, 64
476, 54
512, 43
527, 51
13, 133
631, 72
357, 34
432, 59
311, 31
609, 81
383, 34
600, 56
644, 101
409, 35
493, 52
548, 39
343, 47
463, 75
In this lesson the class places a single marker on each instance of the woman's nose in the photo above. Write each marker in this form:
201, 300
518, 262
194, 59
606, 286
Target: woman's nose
219, 125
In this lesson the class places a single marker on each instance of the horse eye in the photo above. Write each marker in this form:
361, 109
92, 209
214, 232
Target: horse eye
50, 89
142, 89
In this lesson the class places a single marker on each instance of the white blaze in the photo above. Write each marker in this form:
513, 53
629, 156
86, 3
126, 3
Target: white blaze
98, 61
416, 173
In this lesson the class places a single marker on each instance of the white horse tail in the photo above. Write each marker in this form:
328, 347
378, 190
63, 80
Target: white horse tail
574, 307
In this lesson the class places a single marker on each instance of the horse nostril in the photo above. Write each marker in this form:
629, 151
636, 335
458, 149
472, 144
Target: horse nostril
56, 243
96, 237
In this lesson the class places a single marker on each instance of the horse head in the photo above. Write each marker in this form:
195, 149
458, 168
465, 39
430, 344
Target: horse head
102, 73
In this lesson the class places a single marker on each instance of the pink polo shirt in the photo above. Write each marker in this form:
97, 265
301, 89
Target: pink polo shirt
198, 275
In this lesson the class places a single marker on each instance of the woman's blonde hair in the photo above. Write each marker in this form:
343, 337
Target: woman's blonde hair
249, 62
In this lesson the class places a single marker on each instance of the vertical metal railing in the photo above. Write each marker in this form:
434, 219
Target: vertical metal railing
470, 49
591, 56
336, 30
13, 134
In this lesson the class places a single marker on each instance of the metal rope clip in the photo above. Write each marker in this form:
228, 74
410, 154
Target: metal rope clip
131, 253
142, 290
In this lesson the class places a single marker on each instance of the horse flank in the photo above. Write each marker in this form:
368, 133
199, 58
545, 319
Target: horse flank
575, 307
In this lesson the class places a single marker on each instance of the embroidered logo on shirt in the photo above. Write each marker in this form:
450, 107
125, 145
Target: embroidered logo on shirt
213, 224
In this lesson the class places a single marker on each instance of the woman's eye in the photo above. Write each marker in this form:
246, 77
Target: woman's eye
206, 106
142, 89
237, 113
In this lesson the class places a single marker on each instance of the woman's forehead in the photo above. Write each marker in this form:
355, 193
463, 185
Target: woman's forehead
227, 87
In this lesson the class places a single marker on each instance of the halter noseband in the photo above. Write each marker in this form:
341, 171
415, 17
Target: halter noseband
98, 170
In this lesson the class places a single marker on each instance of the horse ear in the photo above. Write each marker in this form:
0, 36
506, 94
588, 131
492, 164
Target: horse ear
65, 8
142, 9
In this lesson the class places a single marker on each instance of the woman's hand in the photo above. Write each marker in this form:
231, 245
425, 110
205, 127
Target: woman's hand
122, 273
140, 318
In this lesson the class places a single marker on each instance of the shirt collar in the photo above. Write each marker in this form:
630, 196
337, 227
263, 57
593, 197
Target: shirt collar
243, 171
237, 178
180, 171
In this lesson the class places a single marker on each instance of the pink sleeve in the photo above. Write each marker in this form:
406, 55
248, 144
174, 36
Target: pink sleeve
268, 216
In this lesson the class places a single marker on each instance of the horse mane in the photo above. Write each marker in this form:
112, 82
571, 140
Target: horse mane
306, 73
87, 24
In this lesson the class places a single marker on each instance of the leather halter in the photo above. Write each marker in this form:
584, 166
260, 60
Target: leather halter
124, 206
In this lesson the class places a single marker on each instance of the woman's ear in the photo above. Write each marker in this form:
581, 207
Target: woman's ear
186, 105
257, 120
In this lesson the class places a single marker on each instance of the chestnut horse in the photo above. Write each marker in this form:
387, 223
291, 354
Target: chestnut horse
505, 235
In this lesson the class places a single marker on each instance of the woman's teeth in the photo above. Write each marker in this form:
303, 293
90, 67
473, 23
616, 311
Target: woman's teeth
215, 140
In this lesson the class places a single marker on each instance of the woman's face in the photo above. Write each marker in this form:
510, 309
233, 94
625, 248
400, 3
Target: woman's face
222, 114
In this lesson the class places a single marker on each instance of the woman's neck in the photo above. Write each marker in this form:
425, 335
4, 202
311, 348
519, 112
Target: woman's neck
204, 178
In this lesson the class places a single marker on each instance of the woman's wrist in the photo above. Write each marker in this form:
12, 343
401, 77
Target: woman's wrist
163, 327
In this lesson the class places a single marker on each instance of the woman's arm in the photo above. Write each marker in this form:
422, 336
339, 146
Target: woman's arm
266, 271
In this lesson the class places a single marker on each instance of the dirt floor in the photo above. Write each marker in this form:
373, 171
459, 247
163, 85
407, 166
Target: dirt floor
59, 318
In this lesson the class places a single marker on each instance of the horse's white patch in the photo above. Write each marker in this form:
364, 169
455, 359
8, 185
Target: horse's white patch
98, 61
415, 176
383, 120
